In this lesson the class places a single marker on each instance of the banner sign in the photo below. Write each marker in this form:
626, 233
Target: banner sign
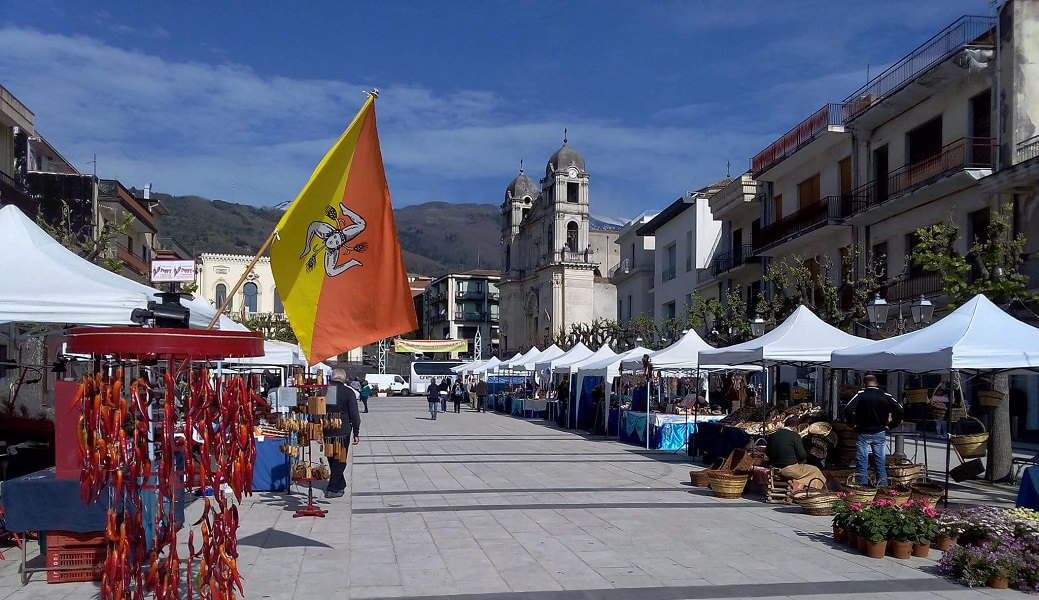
170, 271
400, 345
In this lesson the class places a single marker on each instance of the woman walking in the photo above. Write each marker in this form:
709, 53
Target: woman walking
366, 392
445, 389
457, 391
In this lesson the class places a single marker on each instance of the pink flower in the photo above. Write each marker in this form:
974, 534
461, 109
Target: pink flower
883, 502
894, 493
855, 506
930, 512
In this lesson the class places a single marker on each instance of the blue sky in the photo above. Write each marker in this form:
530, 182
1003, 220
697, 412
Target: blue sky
239, 100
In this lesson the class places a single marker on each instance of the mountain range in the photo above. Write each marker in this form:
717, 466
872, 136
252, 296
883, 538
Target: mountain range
437, 237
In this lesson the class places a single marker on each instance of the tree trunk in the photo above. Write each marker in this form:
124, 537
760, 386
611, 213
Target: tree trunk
1000, 450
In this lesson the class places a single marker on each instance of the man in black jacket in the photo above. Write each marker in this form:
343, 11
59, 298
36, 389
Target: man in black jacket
345, 404
871, 413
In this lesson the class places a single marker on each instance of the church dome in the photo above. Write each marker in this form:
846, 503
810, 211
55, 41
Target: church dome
522, 186
563, 158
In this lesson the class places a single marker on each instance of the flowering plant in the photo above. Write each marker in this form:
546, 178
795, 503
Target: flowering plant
877, 520
1004, 543
975, 565
841, 510
924, 521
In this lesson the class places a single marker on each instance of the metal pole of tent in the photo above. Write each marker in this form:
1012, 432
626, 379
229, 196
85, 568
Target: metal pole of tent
649, 388
953, 381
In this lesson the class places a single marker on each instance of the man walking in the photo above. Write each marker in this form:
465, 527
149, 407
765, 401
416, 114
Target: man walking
481, 395
445, 390
341, 398
871, 413
433, 397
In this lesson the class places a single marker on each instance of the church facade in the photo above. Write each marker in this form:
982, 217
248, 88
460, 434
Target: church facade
556, 255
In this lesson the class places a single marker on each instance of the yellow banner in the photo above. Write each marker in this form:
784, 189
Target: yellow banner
400, 345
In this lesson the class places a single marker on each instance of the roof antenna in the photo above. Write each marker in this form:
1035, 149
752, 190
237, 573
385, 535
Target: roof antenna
728, 167
867, 72
564, 135
521, 166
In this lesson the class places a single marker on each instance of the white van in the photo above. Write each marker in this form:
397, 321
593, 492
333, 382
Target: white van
388, 382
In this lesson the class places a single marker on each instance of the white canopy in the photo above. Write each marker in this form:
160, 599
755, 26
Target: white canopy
610, 366
275, 353
976, 336
491, 364
520, 363
44, 282
578, 352
549, 353
469, 366
801, 338
683, 354
602, 353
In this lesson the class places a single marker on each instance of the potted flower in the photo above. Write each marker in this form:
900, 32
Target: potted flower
853, 523
841, 518
947, 530
875, 527
992, 563
903, 527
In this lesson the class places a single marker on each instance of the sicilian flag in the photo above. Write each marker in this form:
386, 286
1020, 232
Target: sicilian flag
336, 259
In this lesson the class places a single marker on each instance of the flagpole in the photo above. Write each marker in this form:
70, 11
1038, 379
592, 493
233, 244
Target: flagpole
241, 280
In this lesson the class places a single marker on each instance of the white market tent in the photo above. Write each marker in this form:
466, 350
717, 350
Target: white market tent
276, 353
44, 282
491, 364
518, 363
610, 366
976, 336
802, 338
549, 353
683, 354
469, 366
578, 352
571, 367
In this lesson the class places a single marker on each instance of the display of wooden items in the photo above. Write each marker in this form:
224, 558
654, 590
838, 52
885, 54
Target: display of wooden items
114, 434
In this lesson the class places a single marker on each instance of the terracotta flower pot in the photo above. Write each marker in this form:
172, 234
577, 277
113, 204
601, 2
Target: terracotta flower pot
921, 550
840, 536
853, 539
942, 543
900, 550
876, 549
998, 583
861, 543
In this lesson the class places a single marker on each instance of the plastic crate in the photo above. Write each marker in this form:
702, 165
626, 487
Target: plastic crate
73, 539
75, 564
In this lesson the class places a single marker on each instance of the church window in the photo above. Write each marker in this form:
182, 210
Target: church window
251, 293
572, 191
221, 294
571, 236
524, 217
278, 306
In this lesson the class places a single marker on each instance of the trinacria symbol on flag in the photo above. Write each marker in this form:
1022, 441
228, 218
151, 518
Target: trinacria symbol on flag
335, 240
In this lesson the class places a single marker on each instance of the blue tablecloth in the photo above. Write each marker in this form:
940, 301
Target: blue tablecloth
666, 436
1028, 495
272, 469
613, 423
40, 502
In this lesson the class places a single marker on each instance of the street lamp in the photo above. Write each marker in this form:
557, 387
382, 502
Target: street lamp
757, 326
922, 310
876, 310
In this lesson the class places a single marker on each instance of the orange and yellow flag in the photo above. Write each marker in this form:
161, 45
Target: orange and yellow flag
337, 260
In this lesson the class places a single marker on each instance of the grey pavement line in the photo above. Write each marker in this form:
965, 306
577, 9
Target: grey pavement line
403, 461
524, 491
574, 506
413, 454
741, 590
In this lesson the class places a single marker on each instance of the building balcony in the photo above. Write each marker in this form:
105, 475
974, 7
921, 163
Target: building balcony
583, 257
734, 259
667, 274
962, 155
909, 288
1027, 150
12, 192
966, 33
469, 295
112, 191
470, 315
829, 118
133, 262
830, 210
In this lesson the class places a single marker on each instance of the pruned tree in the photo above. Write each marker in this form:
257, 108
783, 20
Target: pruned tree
272, 327
95, 248
990, 267
728, 320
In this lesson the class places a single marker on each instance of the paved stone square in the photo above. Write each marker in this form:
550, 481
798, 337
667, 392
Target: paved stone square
482, 506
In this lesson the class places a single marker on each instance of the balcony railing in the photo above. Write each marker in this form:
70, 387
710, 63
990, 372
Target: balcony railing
667, 274
470, 315
830, 115
622, 267
1027, 149
571, 256
913, 287
134, 262
964, 153
12, 192
966, 31
469, 294
736, 257
829, 210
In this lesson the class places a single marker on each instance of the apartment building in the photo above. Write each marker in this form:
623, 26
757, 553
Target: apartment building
458, 305
633, 276
735, 266
686, 238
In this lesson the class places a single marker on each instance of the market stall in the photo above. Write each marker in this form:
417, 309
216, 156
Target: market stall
602, 371
976, 338
566, 412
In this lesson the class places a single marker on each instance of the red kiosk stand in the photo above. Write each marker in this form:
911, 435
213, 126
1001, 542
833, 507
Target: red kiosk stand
147, 381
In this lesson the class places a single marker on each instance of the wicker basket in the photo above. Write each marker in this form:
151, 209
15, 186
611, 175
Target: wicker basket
815, 502
938, 411
926, 489
916, 396
858, 492
990, 398
728, 485
903, 474
700, 478
971, 445
899, 495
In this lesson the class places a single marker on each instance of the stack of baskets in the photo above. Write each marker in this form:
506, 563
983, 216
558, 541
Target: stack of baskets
971, 445
845, 444
902, 473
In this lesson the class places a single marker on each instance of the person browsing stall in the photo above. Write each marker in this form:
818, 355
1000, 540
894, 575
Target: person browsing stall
786, 452
341, 398
871, 412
